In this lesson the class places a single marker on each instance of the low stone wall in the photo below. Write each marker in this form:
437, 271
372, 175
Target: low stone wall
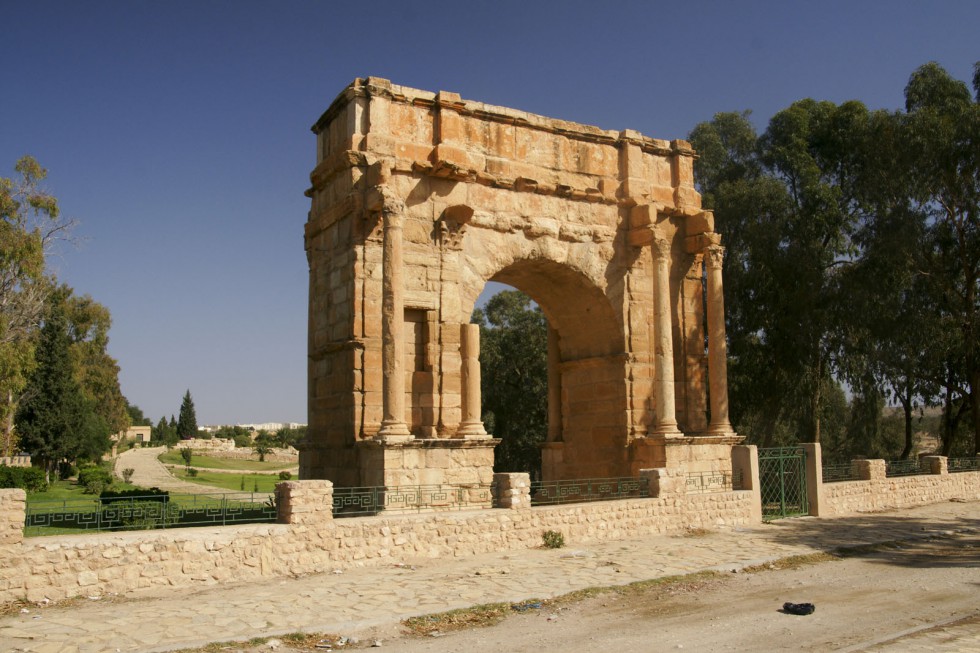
15, 461
200, 444
222, 448
881, 493
59, 567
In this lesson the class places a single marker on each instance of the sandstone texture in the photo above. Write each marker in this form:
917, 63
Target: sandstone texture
418, 199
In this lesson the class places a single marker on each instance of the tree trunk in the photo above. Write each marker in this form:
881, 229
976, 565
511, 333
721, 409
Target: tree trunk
815, 400
907, 409
975, 407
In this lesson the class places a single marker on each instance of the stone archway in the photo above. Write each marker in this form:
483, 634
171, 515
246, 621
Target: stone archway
419, 199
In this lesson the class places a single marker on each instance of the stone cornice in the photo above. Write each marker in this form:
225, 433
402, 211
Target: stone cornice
378, 87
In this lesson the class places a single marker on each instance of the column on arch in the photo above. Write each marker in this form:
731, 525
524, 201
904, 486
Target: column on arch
393, 426
717, 349
471, 425
666, 423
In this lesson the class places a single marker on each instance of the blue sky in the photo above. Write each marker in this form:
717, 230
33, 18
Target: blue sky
177, 134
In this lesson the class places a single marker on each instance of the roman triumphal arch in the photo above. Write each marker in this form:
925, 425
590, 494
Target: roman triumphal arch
419, 199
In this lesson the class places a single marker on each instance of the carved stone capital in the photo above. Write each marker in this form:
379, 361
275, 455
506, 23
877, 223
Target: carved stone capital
661, 246
451, 233
714, 256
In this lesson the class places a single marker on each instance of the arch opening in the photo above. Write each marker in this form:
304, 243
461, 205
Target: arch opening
582, 416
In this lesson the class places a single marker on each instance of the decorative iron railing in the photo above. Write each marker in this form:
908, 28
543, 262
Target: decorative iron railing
709, 482
839, 473
360, 501
903, 468
164, 510
954, 465
588, 489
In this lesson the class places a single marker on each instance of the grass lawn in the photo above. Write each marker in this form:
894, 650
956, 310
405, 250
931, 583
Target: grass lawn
173, 457
62, 490
232, 482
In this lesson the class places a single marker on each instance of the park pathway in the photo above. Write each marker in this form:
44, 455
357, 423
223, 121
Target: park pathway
150, 472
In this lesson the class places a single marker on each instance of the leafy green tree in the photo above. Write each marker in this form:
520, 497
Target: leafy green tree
514, 371
51, 418
898, 342
943, 132
264, 444
786, 204
289, 437
187, 422
30, 223
164, 433
95, 370
136, 416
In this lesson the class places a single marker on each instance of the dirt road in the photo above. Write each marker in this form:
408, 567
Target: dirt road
920, 596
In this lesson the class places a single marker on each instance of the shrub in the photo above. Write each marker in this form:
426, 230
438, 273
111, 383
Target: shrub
30, 479
66, 470
191, 472
127, 474
285, 476
186, 454
553, 539
94, 479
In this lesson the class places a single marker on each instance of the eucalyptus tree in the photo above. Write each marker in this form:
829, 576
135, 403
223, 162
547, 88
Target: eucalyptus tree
942, 128
786, 203
30, 222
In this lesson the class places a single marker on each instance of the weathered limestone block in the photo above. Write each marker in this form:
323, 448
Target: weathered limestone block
513, 490
935, 464
869, 470
13, 508
304, 502
663, 483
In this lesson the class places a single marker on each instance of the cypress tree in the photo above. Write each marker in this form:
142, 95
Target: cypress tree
187, 422
52, 420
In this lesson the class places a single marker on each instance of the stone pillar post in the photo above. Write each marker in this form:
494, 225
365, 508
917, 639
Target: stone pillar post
13, 511
513, 490
471, 425
814, 478
935, 464
717, 349
393, 427
664, 344
304, 502
745, 462
663, 483
554, 386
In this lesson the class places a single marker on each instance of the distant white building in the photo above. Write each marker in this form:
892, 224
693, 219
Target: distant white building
271, 427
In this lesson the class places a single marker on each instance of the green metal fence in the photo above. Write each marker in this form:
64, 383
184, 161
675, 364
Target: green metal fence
141, 512
782, 477
955, 465
361, 501
545, 493
838, 473
904, 468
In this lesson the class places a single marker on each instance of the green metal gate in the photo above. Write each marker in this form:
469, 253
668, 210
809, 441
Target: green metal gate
782, 477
